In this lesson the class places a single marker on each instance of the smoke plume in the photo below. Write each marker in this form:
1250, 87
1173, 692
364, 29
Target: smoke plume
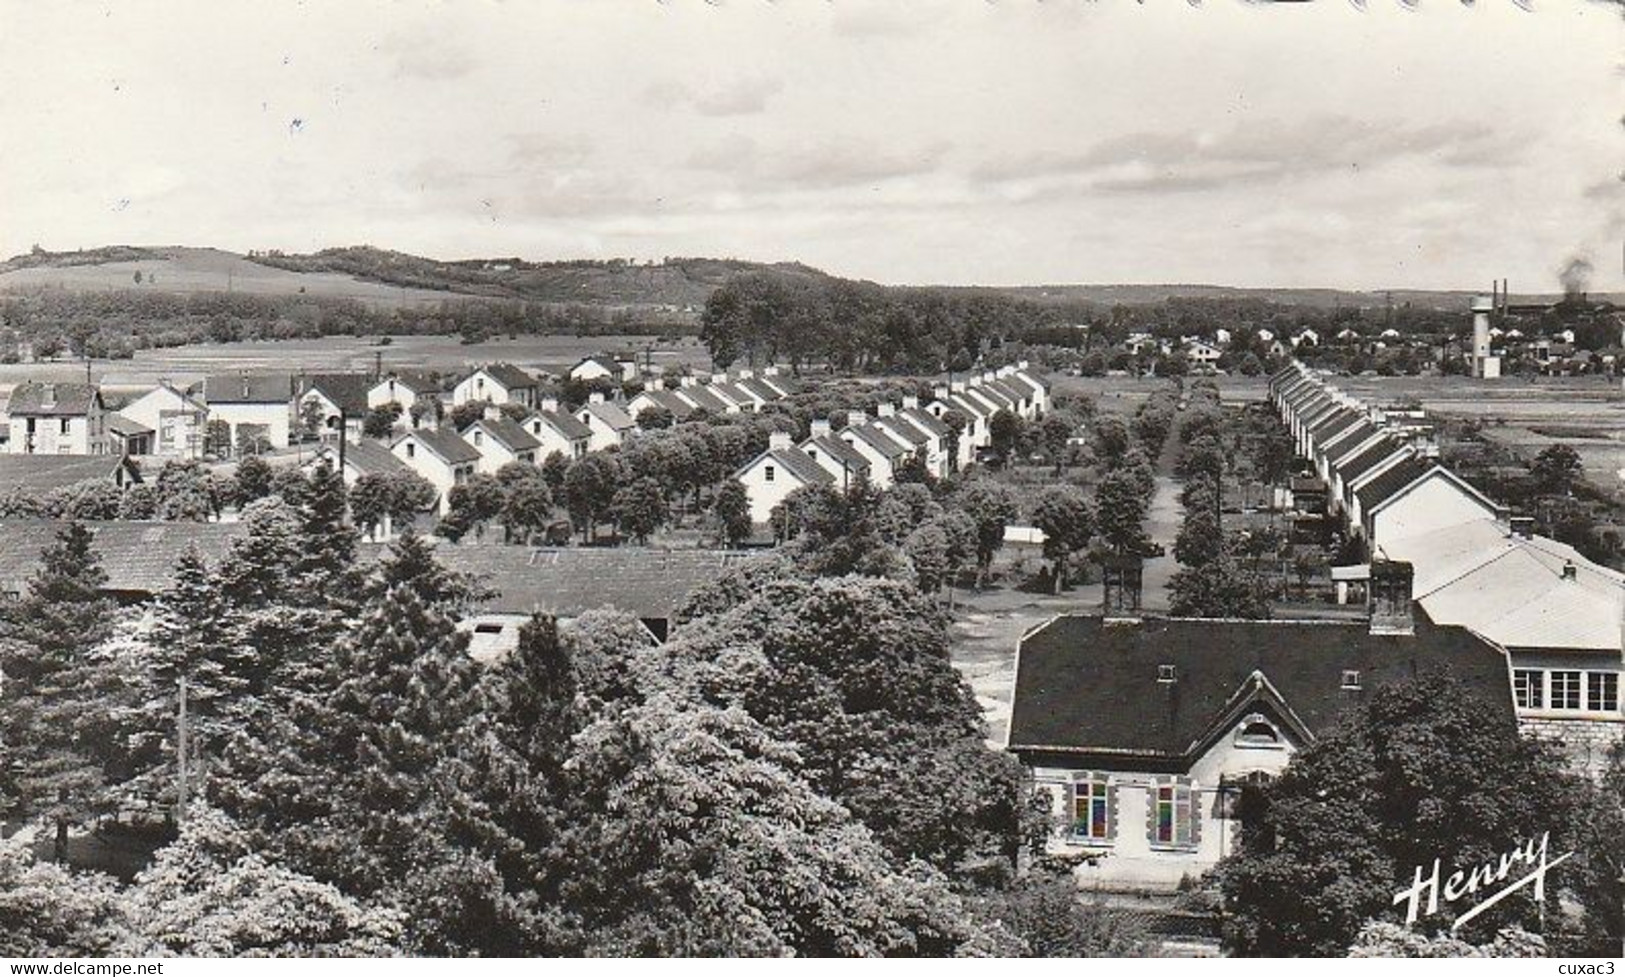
1575, 276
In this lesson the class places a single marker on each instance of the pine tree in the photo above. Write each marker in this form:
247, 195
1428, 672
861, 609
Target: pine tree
60, 686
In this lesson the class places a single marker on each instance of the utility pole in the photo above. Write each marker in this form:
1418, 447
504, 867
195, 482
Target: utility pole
182, 738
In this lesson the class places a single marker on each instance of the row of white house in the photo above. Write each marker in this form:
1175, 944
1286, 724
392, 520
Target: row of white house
1559, 616
840, 450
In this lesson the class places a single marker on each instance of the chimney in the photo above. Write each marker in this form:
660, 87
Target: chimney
779, 441
1121, 579
596, 397
1021, 364
820, 427
687, 381
493, 412
719, 378
911, 402
886, 410
941, 393
1391, 607
550, 404
1570, 571
1522, 527
657, 384
770, 371
746, 374
957, 386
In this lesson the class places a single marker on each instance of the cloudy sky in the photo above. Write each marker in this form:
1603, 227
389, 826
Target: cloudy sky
1331, 143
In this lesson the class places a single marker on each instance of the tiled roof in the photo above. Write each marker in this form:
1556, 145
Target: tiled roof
882, 442
1384, 486
612, 414
902, 430
970, 406
604, 363
924, 418
347, 391
509, 376
755, 386
1083, 686
665, 398
1368, 459
367, 457
1333, 424
649, 583
1346, 440
119, 424
507, 432
564, 423
253, 388
840, 451
417, 381
35, 474
452, 449
729, 391
53, 399
138, 557
704, 399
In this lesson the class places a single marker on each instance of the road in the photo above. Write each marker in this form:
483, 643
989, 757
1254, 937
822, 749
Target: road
1162, 525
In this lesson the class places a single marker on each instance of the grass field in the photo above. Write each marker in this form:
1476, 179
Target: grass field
339, 354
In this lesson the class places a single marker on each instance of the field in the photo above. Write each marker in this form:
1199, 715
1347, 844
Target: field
186, 270
339, 354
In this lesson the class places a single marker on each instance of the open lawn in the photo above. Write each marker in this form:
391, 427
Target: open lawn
338, 354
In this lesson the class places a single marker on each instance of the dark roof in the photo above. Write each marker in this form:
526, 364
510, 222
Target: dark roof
1346, 439
347, 391
1367, 459
729, 391
1381, 488
705, 399
1017, 396
992, 393
605, 363
755, 386
564, 423
451, 448
53, 399
1084, 686
796, 462
679, 407
566, 582
366, 457
839, 450
119, 424
417, 381
925, 419
508, 375
252, 388
139, 557
611, 414
36, 474
1330, 425
882, 442
897, 427
969, 405
508, 431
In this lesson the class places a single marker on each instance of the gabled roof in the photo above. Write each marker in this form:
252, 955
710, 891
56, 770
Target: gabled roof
417, 381
138, 557
842, 452
36, 474
37, 399
902, 430
1491, 507
117, 423
1368, 459
795, 462
186, 397
253, 388
994, 395
679, 407
1087, 687
704, 399
1389, 483
924, 419
611, 414
888, 446
729, 391
511, 377
604, 363
1334, 424
366, 457
565, 423
1012, 393
346, 391
507, 432
452, 449
754, 385
1346, 440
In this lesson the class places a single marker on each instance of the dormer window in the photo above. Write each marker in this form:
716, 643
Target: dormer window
1256, 732
1167, 674
1351, 679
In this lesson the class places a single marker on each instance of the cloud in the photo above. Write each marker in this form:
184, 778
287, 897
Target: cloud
427, 58
822, 166
740, 96
880, 22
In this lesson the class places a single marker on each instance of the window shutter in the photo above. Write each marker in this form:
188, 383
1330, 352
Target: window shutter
1196, 814
1151, 792
1111, 809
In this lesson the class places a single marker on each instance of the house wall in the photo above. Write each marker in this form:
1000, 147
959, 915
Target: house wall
479, 386
603, 436
765, 493
433, 469
493, 453
1133, 862
590, 371
277, 419
389, 391
552, 441
879, 465
178, 429
84, 435
1436, 503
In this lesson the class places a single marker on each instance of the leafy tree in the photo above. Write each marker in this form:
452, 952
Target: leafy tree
467, 413
554, 469
474, 503
1389, 941
1218, 588
217, 438
60, 686
1120, 507
589, 492
253, 479
992, 507
1005, 432
183, 493
1055, 437
730, 510
1556, 469
381, 420
1418, 771
1062, 515
640, 508
48, 911
1044, 911
655, 418
927, 550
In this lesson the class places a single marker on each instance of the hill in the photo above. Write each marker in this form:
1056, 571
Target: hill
1321, 298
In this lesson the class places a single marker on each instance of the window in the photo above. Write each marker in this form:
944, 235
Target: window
1167, 673
411, 450
478, 438
1173, 814
487, 629
62, 426
1528, 689
1565, 690
1091, 810
1256, 732
1351, 679
1232, 788
1602, 691
767, 473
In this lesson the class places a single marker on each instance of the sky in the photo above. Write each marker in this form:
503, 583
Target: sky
1336, 143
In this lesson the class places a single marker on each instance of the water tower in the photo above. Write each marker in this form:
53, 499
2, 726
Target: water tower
1485, 366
